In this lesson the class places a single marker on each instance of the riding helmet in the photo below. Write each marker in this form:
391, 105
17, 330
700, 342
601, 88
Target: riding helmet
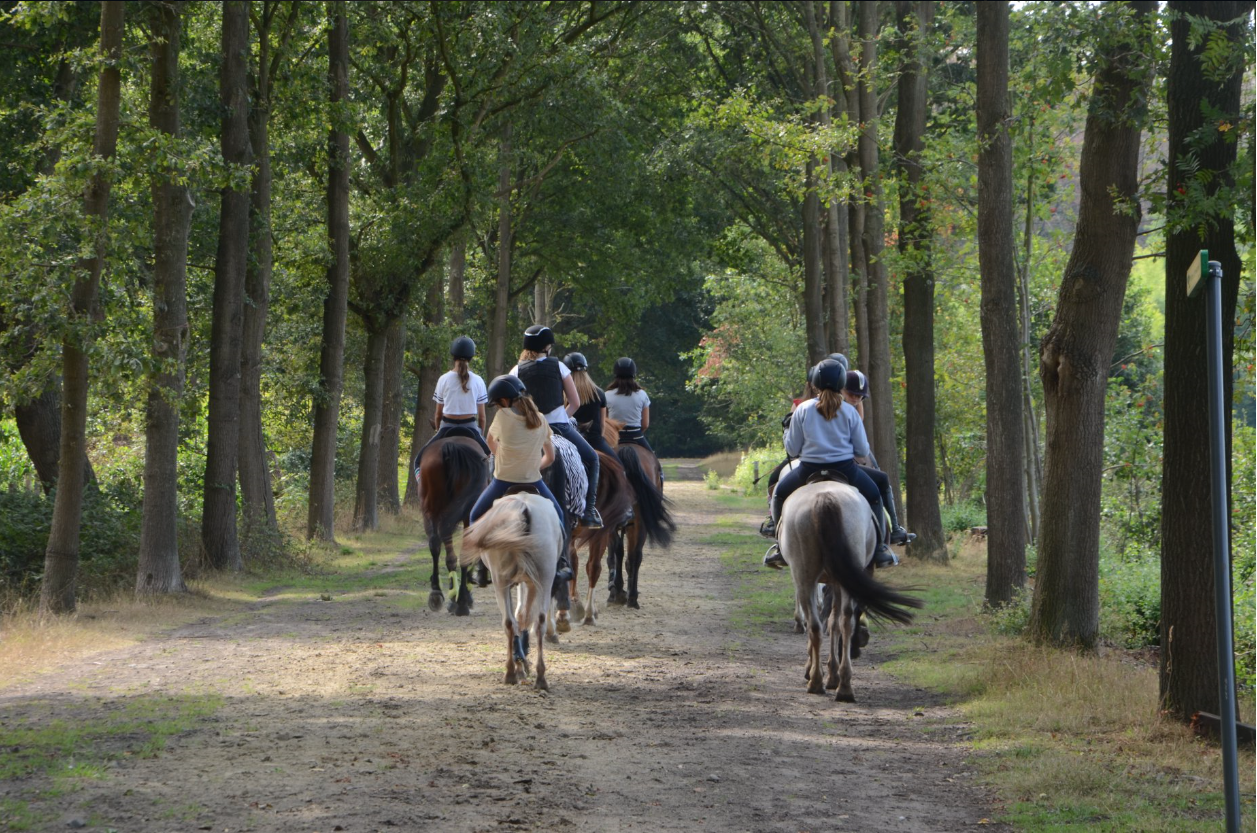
506, 387
857, 383
625, 368
576, 361
842, 360
829, 375
463, 348
538, 337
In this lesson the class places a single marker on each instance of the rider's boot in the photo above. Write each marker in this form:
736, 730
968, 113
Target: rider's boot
768, 529
882, 556
773, 558
591, 519
899, 536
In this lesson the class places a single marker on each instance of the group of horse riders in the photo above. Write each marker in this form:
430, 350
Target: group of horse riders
538, 398
825, 432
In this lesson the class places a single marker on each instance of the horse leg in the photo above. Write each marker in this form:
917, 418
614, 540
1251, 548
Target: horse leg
831, 676
578, 607
434, 596
540, 615
804, 600
593, 567
635, 566
508, 623
846, 621
460, 595
524, 631
563, 624
615, 581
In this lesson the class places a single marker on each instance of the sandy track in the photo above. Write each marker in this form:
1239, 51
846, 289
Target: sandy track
372, 713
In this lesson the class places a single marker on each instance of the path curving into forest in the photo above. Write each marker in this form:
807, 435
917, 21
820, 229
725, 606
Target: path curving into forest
372, 713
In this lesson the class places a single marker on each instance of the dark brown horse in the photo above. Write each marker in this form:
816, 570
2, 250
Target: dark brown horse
614, 502
452, 473
652, 516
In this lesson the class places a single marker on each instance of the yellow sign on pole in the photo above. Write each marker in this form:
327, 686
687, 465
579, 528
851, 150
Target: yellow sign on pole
1198, 269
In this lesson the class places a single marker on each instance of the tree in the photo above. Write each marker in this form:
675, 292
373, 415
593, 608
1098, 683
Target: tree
1075, 354
1005, 487
320, 522
218, 518
159, 570
915, 234
1205, 191
57, 594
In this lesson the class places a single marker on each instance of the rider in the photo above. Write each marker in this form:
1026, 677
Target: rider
549, 381
591, 414
854, 393
520, 439
460, 398
826, 433
627, 403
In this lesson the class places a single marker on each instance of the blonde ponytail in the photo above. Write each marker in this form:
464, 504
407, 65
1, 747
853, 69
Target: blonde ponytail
828, 403
528, 410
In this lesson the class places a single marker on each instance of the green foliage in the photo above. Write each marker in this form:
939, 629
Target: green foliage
744, 476
712, 479
961, 517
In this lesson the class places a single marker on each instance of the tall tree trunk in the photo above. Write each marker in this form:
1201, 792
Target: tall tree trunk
218, 518
256, 496
878, 367
1189, 658
915, 234
496, 359
847, 96
391, 419
543, 292
458, 271
1033, 464
430, 368
61, 558
1005, 487
1075, 354
813, 308
366, 506
320, 521
159, 570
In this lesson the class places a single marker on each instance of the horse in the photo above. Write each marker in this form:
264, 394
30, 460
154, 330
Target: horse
453, 471
615, 503
827, 536
652, 515
520, 539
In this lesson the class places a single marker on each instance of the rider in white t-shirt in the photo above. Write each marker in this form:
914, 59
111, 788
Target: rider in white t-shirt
628, 403
460, 398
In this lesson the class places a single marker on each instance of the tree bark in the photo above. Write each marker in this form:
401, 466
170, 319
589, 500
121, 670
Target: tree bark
458, 271
320, 521
256, 495
61, 558
391, 418
218, 518
1005, 487
881, 403
430, 370
159, 570
847, 96
1075, 354
1189, 658
496, 358
915, 234
366, 506
813, 307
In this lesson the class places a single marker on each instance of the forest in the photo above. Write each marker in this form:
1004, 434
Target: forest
237, 239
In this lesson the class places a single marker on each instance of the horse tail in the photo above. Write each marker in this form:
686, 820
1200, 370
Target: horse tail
653, 512
460, 465
847, 568
506, 526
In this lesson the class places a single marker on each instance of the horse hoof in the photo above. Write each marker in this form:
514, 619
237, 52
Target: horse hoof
844, 697
614, 600
563, 626
815, 688
511, 678
434, 601
462, 610
589, 620
831, 684
540, 684
578, 610
798, 626
553, 638
633, 604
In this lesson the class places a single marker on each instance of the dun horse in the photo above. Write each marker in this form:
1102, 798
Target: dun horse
827, 537
520, 539
652, 517
452, 474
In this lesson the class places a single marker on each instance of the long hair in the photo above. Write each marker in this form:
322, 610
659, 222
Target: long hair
586, 390
828, 403
530, 355
464, 374
528, 410
624, 385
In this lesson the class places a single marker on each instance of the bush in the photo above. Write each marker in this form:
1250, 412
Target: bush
712, 479
1130, 599
744, 477
962, 517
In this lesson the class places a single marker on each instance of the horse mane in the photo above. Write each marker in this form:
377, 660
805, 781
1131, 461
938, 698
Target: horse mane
653, 512
439, 485
611, 431
846, 567
614, 500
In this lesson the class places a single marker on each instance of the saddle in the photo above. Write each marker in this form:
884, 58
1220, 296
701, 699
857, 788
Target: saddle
828, 476
521, 489
462, 431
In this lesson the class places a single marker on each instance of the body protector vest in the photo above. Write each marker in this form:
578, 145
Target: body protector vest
544, 383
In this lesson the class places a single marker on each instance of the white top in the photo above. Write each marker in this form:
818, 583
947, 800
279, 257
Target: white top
559, 414
627, 408
454, 400
814, 439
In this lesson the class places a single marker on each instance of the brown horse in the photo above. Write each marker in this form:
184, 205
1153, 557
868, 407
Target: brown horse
652, 516
614, 502
452, 473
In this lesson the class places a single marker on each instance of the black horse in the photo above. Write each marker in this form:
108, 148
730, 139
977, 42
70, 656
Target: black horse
652, 517
452, 473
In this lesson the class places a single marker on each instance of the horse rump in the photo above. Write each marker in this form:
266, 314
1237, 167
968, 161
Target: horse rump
653, 513
438, 485
847, 567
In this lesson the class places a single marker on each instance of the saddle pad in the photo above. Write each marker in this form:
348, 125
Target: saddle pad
575, 481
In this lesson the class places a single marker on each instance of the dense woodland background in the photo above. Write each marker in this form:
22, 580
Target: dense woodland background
236, 239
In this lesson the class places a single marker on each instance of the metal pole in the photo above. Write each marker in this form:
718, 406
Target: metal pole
1218, 414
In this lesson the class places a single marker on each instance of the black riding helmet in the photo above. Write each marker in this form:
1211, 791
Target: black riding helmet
625, 368
538, 337
463, 348
576, 361
857, 383
830, 375
506, 387
842, 360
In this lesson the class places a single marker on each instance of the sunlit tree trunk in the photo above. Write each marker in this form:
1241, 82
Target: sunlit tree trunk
159, 570
391, 419
813, 308
61, 558
431, 366
1005, 486
366, 503
496, 359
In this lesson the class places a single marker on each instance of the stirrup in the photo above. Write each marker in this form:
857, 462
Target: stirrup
900, 536
772, 558
768, 529
591, 519
884, 557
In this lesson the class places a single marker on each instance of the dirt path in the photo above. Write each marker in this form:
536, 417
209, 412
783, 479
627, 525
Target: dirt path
372, 713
